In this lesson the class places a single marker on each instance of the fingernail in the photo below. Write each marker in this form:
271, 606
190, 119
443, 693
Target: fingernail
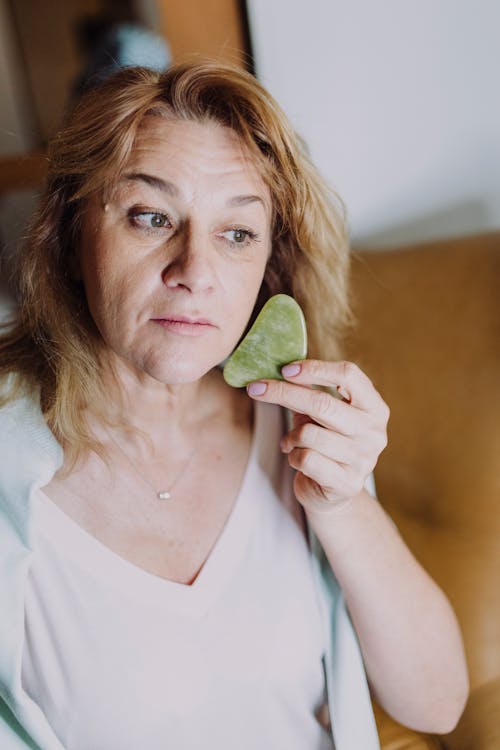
256, 389
283, 446
290, 370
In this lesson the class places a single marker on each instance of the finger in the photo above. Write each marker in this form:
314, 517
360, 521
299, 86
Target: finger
330, 444
298, 419
347, 376
332, 477
320, 406
313, 497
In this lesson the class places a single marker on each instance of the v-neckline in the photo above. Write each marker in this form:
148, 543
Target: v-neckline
68, 539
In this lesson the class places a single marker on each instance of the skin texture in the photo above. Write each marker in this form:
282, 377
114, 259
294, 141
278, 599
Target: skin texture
335, 444
196, 263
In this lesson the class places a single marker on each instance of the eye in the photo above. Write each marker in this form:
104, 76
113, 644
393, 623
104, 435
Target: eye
239, 236
149, 221
157, 220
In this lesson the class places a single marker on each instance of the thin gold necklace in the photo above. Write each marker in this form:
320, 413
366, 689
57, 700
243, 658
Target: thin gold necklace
160, 494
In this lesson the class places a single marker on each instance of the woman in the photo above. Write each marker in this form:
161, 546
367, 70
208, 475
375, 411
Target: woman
179, 561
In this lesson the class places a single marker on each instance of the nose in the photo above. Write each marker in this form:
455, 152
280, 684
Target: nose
191, 267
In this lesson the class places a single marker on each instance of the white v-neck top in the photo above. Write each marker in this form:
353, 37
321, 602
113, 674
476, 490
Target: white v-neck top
117, 657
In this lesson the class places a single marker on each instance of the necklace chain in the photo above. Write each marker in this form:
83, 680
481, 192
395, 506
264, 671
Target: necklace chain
161, 494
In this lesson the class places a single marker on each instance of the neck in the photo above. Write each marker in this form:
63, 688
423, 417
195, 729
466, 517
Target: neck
168, 414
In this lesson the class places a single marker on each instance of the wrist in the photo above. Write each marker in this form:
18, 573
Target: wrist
326, 513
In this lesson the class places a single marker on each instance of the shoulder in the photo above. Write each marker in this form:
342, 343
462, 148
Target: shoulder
25, 438
15, 401
29, 458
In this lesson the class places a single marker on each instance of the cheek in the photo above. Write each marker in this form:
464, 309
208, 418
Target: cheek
101, 261
107, 287
244, 295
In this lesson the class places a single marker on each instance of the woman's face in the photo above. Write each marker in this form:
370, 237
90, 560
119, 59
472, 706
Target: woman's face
186, 235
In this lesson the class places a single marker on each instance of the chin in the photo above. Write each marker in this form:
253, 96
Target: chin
177, 371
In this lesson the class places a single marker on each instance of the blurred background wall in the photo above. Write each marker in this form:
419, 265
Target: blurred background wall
399, 103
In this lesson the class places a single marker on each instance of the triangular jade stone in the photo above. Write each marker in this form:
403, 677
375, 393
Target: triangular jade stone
278, 336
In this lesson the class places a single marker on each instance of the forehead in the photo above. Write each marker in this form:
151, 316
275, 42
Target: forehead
197, 150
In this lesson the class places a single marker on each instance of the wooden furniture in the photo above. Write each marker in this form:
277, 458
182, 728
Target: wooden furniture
205, 28
428, 335
22, 171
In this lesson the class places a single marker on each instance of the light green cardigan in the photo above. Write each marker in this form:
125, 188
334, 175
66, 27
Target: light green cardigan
30, 456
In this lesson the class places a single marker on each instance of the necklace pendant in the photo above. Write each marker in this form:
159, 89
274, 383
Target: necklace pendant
164, 495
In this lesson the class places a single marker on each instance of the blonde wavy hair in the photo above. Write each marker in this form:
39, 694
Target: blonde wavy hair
52, 346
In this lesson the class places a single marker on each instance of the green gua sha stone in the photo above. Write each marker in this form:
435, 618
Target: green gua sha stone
277, 337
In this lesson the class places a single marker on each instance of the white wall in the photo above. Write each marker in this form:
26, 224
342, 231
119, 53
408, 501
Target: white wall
399, 101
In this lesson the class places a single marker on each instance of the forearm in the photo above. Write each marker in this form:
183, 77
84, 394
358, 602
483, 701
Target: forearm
407, 630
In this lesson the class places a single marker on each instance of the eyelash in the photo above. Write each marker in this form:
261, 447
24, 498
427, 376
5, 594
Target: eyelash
134, 218
250, 237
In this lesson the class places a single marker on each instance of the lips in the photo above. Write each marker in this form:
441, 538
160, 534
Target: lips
184, 319
185, 325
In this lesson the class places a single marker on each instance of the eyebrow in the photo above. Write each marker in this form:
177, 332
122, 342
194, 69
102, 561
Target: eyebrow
168, 187
155, 182
243, 200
